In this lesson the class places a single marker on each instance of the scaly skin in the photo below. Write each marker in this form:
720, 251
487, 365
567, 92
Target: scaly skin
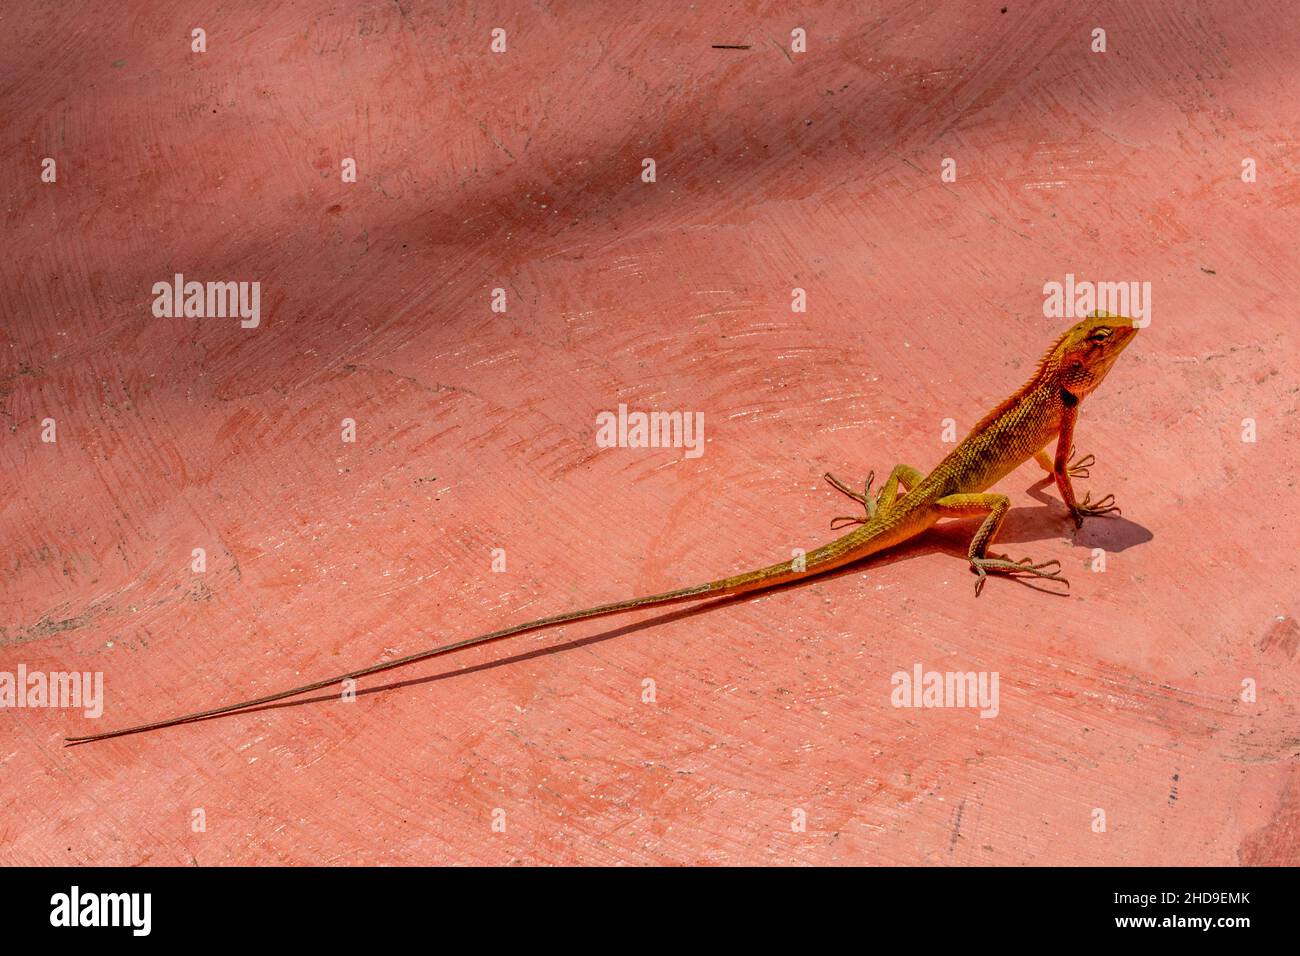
1046, 407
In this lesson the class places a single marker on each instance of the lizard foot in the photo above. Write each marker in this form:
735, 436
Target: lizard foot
1088, 508
868, 503
1078, 468
843, 521
1001, 564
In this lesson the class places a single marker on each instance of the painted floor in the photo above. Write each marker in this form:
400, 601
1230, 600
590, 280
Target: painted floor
1147, 717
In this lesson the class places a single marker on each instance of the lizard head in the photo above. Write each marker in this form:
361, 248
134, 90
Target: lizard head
1086, 352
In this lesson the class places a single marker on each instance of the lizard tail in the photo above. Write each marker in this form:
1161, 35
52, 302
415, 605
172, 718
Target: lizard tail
848, 548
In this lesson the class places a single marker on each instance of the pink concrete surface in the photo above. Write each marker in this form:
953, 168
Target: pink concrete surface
475, 430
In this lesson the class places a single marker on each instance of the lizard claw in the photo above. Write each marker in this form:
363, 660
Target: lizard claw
845, 520
864, 499
844, 489
1088, 508
1022, 561
1078, 468
1001, 564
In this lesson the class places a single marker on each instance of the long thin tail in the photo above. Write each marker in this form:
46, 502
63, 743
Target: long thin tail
837, 553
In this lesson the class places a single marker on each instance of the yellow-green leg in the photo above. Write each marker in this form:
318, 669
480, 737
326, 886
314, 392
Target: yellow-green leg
904, 475
981, 562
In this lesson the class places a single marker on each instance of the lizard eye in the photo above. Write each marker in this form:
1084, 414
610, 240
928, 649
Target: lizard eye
1096, 335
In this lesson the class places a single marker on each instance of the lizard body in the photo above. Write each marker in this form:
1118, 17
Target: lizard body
1044, 408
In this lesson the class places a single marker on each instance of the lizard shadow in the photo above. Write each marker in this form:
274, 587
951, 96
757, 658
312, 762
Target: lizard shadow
951, 537
604, 635
1022, 525
1112, 532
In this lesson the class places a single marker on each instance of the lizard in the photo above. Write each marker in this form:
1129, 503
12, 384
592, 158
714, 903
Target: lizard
1020, 428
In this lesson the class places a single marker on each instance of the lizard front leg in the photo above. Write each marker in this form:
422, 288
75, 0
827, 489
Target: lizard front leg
981, 562
1062, 470
904, 475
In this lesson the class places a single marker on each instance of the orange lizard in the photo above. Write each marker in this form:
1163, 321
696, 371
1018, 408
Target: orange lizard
1044, 408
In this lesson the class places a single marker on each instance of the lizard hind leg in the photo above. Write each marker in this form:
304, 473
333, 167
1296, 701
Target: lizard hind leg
981, 562
868, 503
903, 475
